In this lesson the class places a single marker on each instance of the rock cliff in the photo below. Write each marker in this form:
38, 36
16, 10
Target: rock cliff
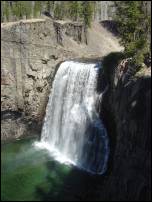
31, 52
126, 110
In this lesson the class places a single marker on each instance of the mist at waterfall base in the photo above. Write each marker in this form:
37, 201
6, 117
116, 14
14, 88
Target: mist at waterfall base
72, 131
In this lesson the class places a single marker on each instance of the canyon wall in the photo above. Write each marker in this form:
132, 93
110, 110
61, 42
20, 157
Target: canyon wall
126, 110
31, 51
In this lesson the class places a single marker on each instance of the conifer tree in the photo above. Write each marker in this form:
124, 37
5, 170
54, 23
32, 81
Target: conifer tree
87, 12
2, 11
48, 6
74, 9
37, 8
6, 10
17, 10
58, 14
133, 24
26, 8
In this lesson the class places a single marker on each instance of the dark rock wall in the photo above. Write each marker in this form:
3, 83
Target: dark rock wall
126, 110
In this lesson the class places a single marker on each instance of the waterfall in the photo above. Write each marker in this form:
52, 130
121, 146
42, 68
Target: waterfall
72, 130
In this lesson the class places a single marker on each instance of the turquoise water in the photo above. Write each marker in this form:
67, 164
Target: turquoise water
31, 174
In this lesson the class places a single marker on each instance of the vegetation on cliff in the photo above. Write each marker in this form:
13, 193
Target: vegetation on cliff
134, 19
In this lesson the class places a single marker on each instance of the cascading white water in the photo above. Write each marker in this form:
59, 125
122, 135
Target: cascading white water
72, 130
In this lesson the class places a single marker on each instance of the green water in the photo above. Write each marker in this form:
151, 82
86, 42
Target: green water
30, 174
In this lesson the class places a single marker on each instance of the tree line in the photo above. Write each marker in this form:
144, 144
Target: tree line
59, 10
133, 19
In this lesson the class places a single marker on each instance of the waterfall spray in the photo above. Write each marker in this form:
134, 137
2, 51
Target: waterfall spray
72, 130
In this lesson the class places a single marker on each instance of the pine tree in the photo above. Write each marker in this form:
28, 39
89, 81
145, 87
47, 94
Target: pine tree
87, 13
2, 11
6, 10
74, 10
48, 6
133, 23
94, 7
17, 10
58, 12
25, 8
37, 8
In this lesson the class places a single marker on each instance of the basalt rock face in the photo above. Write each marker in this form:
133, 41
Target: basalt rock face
74, 30
126, 110
29, 57
31, 51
